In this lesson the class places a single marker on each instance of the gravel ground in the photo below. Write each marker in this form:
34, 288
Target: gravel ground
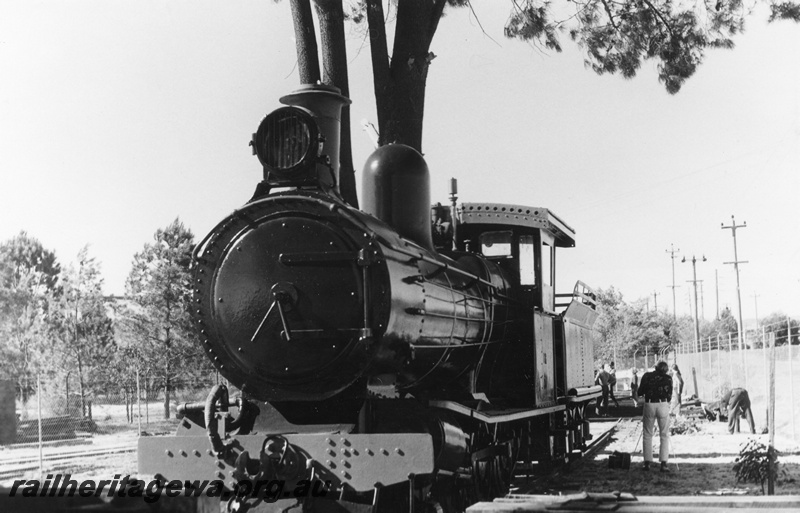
700, 463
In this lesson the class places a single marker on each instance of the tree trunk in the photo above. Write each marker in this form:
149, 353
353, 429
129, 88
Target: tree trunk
66, 393
127, 406
80, 389
307, 59
166, 391
23, 388
334, 63
167, 355
147, 398
400, 86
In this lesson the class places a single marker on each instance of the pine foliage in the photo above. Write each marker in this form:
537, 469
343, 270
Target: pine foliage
156, 328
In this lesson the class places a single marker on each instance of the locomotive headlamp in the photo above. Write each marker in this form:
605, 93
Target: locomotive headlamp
287, 141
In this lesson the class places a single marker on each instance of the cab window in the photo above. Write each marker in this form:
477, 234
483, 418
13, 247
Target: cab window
547, 264
496, 244
527, 261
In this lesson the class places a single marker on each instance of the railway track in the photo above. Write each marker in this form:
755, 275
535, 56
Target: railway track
59, 460
17, 466
524, 484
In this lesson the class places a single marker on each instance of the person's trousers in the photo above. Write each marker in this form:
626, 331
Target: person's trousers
602, 401
739, 404
655, 412
733, 419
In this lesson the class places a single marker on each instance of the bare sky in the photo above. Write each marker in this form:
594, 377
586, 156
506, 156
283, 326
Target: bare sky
117, 117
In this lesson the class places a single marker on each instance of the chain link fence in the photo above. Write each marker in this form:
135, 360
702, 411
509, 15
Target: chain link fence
714, 365
624, 368
60, 425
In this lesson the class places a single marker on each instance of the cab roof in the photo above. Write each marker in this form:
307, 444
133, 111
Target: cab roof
500, 214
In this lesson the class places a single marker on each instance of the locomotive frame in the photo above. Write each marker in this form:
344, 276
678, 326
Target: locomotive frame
403, 374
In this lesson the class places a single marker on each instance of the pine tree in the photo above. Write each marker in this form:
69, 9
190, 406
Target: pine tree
82, 332
28, 273
157, 318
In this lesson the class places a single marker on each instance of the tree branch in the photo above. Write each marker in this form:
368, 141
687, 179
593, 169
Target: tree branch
610, 16
659, 15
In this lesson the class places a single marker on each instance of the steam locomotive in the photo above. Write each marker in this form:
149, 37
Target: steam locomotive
396, 370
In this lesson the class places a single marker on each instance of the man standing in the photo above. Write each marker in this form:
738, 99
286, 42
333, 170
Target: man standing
655, 391
602, 379
634, 384
738, 405
612, 382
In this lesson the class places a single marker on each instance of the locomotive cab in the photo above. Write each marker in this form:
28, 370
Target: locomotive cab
523, 241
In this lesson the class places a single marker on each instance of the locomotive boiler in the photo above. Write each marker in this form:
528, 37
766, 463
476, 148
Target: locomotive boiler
402, 372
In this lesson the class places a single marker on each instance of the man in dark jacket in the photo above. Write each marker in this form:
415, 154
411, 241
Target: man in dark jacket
612, 382
602, 379
655, 391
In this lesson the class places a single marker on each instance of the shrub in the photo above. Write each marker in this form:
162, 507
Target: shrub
753, 463
683, 426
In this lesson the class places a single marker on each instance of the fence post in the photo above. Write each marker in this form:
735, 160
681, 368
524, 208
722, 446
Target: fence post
138, 402
771, 450
707, 368
730, 358
39, 416
147, 398
741, 354
719, 368
791, 372
710, 364
766, 362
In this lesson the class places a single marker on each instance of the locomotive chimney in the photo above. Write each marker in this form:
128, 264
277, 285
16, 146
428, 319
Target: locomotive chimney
396, 190
325, 105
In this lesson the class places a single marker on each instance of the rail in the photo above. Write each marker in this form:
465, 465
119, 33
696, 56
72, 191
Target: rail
17, 466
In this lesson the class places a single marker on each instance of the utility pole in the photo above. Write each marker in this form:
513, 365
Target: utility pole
672, 252
696, 319
655, 300
736, 262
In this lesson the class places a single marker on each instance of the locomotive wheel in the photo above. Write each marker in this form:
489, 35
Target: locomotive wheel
452, 495
493, 477
493, 465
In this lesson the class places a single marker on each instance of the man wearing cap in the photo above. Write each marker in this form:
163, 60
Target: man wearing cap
655, 391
